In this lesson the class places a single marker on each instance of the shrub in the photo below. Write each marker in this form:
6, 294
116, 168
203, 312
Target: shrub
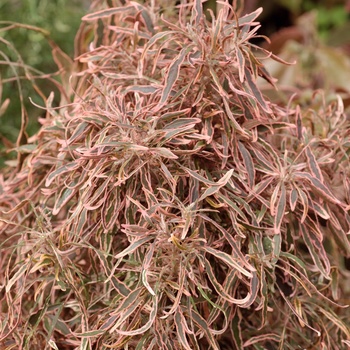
173, 206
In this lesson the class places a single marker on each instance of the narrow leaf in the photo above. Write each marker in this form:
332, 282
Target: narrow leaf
147, 325
228, 260
18, 274
281, 207
248, 162
64, 196
132, 247
256, 91
164, 152
106, 13
312, 162
61, 170
319, 187
203, 325
181, 331
213, 189
318, 255
293, 197
173, 75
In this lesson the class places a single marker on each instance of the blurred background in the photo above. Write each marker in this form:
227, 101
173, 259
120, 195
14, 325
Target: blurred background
316, 33
60, 20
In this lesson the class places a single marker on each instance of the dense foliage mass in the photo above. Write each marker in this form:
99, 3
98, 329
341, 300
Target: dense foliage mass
172, 205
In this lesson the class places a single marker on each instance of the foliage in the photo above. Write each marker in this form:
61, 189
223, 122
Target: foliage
173, 205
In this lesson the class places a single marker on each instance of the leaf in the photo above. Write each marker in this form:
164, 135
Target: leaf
228, 260
236, 332
106, 13
26, 148
341, 239
317, 252
61, 170
267, 166
53, 345
241, 63
125, 313
322, 212
337, 321
146, 263
256, 92
319, 187
147, 325
249, 18
17, 207
64, 196
295, 259
143, 89
203, 325
18, 274
173, 75
245, 302
164, 152
271, 151
4, 106
274, 198
199, 177
263, 338
295, 312
154, 39
181, 123
179, 320
80, 129
304, 201
89, 334
281, 207
335, 284
213, 189
197, 12
312, 162
233, 120
248, 162
293, 199
133, 246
